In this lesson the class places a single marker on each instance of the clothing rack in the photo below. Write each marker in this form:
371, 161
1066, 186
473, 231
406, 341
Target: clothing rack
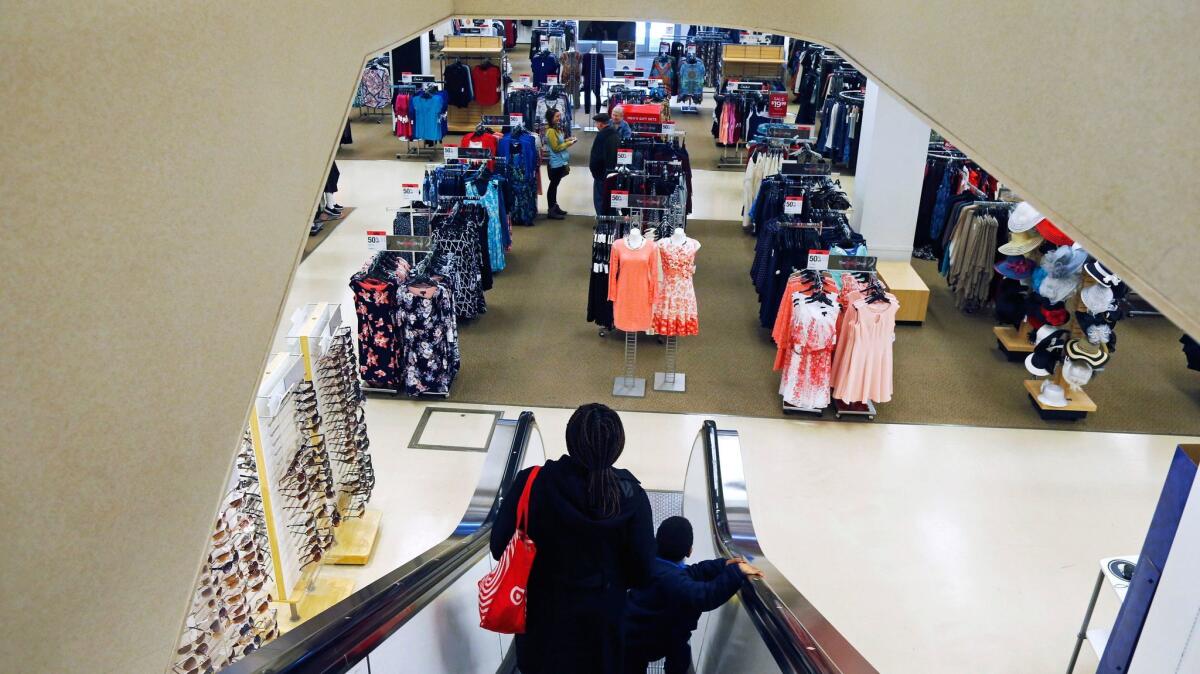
470, 48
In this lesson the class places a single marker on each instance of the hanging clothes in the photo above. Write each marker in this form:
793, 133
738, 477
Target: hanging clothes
865, 373
692, 76
402, 111
809, 343
459, 257
570, 74
427, 110
593, 73
489, 198
521, 149
375, 85
543, 65
430, 361
486, 83
375, 289
457, 79
675, 312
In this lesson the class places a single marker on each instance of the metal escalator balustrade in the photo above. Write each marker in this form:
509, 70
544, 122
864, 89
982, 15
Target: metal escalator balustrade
433, 597
769, 626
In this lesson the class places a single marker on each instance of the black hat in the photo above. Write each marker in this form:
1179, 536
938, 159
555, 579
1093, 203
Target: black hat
602, 117
1010, 303
674, 539
1047, 353
1103, 276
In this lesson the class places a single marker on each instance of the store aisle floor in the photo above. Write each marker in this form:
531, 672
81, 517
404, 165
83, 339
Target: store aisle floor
924, 545
534, 346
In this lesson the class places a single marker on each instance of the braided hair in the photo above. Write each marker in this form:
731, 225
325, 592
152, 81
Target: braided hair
596, 438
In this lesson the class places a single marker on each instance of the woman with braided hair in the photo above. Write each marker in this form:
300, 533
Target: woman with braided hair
594, 534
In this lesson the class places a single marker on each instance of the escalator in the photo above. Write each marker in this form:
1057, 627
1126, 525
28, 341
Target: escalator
423, 616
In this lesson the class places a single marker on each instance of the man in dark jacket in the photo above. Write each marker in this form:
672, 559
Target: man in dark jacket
594, 534
661, 616
603, 159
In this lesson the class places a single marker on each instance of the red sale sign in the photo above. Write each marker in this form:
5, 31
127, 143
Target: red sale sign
777, 108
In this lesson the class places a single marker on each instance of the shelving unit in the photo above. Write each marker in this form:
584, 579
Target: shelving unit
763, 62
472, 48
1097, 637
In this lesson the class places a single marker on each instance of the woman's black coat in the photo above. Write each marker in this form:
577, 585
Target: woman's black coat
584, 565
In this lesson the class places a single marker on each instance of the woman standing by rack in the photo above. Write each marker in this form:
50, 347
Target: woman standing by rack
559, 160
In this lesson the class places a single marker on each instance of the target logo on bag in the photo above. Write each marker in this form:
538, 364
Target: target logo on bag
502, 592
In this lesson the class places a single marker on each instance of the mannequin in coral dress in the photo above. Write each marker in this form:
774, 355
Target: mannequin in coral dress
675, 312
633, 281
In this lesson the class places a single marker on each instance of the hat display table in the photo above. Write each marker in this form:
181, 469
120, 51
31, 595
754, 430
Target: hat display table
1014, 343
1077, 407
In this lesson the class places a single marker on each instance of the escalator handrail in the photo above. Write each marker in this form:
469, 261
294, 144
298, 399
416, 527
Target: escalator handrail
338, 638
798, 636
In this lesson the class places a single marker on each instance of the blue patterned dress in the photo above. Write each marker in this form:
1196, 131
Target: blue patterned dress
491, 202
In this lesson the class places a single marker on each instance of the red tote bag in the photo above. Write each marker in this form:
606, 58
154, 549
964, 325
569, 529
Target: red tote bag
502, 592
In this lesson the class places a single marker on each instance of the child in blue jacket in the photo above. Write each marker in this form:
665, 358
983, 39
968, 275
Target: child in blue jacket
661, 616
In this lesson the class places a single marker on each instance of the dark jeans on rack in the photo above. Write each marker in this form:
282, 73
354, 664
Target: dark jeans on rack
588, 92
556, 175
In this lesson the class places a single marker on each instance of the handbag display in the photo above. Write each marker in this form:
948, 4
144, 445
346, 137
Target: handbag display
502, 591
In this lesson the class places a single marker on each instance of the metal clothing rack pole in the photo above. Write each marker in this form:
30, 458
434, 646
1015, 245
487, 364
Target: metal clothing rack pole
671, 379
626, 384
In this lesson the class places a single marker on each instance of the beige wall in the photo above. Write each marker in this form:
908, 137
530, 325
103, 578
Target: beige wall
163, 160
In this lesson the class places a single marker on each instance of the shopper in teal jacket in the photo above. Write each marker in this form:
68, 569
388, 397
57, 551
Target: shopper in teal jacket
559, 159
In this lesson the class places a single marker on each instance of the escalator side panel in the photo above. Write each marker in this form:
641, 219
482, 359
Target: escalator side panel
735, 644
444, 636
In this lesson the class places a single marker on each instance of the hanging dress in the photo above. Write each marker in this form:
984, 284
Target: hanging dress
431, 358
868, 367
806, 380
490, 200
675, 313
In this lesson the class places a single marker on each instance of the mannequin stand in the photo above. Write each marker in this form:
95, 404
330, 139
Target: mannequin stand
671, 380
625, 384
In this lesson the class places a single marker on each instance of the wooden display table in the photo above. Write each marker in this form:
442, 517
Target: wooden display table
904, 282
1078, 402
1014, 343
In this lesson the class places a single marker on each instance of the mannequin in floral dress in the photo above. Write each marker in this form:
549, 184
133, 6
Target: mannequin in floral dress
675, 313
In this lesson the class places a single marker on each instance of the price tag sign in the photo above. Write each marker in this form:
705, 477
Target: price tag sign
619, 199
410, 191
406, 78
523, 79
551, 79
777, 108
516, 119
495, 120
376, 241
450, 153
668, 128
625, 157
422, 79
818, 259
793, 205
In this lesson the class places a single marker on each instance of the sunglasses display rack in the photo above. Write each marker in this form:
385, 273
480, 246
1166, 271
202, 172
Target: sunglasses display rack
231, 612
299, 499
327, 349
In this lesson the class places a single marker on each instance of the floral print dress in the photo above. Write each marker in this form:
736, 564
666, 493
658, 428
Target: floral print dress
675, 313
425, 316
806, 379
